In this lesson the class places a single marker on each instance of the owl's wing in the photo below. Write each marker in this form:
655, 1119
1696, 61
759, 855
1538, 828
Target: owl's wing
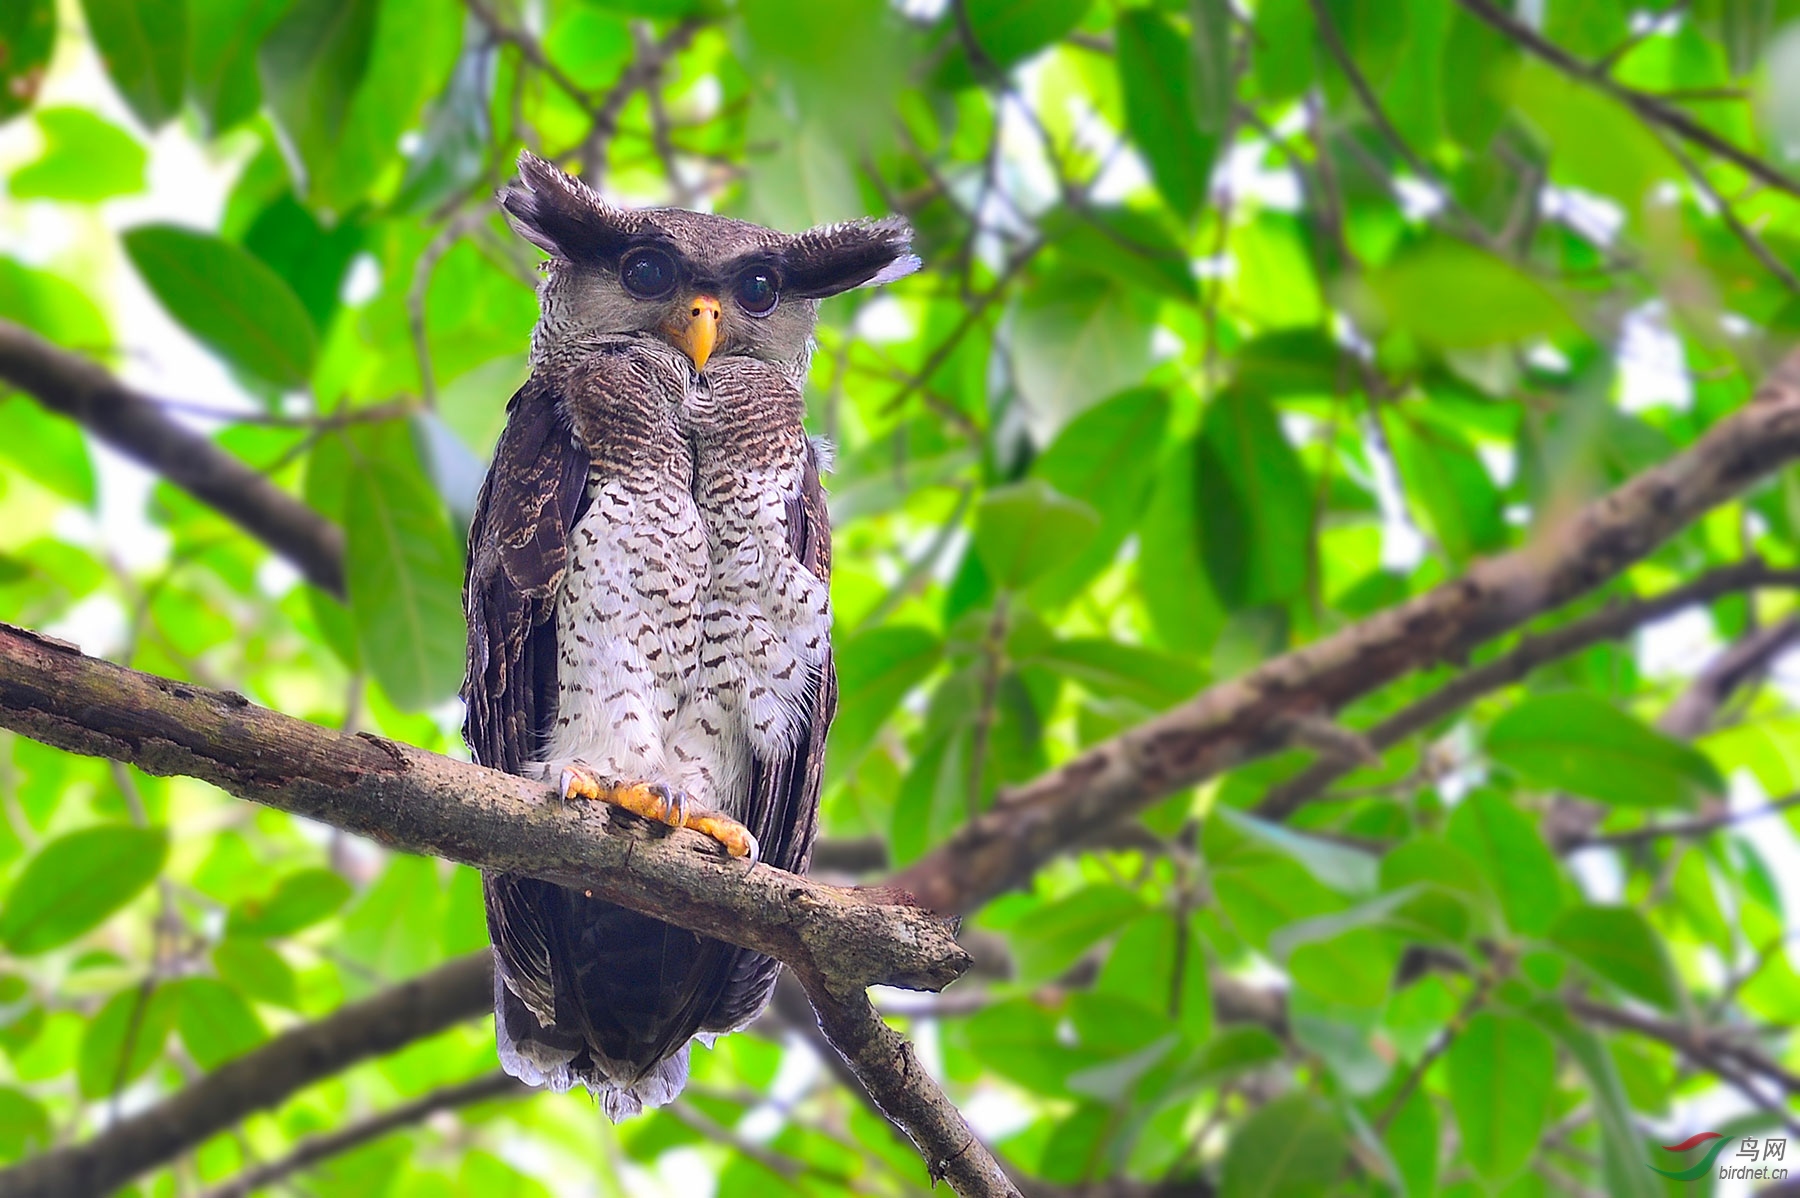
783, 808
534, 494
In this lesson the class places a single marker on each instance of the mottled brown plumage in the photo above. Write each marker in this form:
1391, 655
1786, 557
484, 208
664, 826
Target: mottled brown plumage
647, 600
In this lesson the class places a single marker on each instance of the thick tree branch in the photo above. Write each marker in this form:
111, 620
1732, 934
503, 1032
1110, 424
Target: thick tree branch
1611, 623
838, 941
136, 426
257, 1080
1245, 718
890, 1073
423, 803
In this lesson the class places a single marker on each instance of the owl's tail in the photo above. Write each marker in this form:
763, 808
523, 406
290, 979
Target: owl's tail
556, 1059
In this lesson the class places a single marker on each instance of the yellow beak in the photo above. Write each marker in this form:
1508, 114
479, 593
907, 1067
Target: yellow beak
694, 329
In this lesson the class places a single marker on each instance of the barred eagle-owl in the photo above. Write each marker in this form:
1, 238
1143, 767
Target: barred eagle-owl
647, 603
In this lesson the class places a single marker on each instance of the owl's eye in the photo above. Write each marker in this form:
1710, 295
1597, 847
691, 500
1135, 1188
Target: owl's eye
648, 274
757, 293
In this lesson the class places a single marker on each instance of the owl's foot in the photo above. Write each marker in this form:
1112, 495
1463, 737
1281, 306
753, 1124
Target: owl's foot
662, 803
734, 836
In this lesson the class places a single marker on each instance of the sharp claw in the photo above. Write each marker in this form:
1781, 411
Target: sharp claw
674, 803
755, 853
566, 782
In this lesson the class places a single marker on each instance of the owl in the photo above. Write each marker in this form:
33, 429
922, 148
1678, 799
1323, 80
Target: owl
647, 601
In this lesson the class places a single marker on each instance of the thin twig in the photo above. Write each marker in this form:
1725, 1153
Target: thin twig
1744, 233
1685, 830
1649, 107
354, 1135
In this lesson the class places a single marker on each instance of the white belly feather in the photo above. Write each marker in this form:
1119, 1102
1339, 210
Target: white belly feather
627, 625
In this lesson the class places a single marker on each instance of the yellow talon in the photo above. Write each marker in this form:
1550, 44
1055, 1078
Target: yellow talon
662, 804
736, 838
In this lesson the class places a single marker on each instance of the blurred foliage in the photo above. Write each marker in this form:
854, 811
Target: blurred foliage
1210, 358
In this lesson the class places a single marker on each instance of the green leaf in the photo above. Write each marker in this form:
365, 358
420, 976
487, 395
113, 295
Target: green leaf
1622, 1141
1291, 1148
1136, 248
1513, 857
1354, 968
1502, 1070
1209, 64
76, 881
1296, 361
52, 307
24, 1123
1010, 30
876, 669
1077, 338
1345, 957
1414, 91
1375, 32
310, 258
143, 45
1619, 945
1409, 296
1161, 108
1100, 456
215, 1022
85, 160
236, 306
1237, 1049
1476, 104
124, 1039
1411, 1139
1341, 1037
1346, 870
346, 79
1107, 667
299, 900
1578, 742
1444, 475
402, 569
1160, 963
1055, 934
1017, 1039
397, 922
312, 64
28, 31
46, 447
1025, 530
1169, 574
222, 74
1096, 455
256, 970
1267, 893
453, 148
1255, 503
1287, 55
1595, 142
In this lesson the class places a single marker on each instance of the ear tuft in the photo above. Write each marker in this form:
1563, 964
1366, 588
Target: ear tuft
835, 258
560, 214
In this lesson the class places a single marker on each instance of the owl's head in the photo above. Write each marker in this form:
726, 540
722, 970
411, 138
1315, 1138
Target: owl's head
712, 286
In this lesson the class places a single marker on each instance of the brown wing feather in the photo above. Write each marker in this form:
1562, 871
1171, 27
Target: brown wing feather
518, 549
783, 812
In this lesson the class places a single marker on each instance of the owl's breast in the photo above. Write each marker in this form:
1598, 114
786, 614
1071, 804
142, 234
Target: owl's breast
767, 617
